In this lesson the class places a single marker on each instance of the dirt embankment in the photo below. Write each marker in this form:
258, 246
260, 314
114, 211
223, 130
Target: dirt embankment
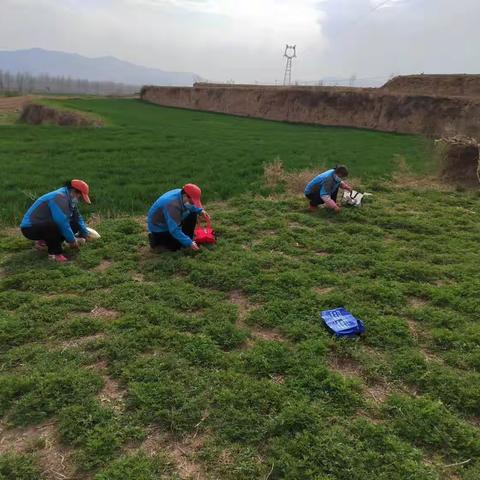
37, 114
440, 85
376, 109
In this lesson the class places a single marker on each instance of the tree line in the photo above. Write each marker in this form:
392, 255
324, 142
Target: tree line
24, 83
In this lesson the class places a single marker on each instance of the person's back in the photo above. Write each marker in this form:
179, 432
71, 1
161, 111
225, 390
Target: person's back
323, 183
40, 213
171, 220
323, 189
172, 202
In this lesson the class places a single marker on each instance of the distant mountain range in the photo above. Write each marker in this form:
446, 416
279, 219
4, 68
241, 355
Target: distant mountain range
37, 61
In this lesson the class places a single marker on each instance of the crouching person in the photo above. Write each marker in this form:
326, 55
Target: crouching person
173, 217
323, 189
54, 218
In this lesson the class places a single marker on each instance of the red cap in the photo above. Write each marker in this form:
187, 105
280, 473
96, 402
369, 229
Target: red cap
82, 187
194, 193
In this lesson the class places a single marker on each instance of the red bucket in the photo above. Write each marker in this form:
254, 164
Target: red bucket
204, 234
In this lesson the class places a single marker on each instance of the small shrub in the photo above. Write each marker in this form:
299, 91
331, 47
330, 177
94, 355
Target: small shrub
138, 467
19, 467
267, 358
428, 423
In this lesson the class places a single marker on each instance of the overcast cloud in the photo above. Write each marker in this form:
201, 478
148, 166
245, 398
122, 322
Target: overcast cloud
244, 39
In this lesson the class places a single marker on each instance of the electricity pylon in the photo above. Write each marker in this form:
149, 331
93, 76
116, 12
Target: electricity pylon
290, 53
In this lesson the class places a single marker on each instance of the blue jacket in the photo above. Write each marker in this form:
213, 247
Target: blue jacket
55, 208
167, 213
324, 183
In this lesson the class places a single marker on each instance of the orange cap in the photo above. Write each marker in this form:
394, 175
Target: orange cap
194, 192
83, 188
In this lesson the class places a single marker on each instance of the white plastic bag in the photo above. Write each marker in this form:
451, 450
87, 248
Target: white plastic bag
92, 234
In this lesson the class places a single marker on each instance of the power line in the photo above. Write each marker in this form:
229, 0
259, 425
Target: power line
380, 5
370, 12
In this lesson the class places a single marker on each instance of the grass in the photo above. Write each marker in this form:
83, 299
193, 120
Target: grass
131, 365
7, 118
226, 346
147, 149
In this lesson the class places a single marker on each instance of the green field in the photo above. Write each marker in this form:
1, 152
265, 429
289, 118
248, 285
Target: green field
128, 365
147, 150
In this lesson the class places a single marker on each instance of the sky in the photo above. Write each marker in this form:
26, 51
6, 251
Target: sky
244, 40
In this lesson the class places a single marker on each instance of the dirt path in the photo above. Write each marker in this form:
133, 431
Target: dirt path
14, 104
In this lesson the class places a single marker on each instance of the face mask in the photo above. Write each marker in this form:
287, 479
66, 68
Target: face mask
337, 178
74, 202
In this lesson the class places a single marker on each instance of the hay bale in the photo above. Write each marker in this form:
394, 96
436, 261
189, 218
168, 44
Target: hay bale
460, 159
294, 182
273, 173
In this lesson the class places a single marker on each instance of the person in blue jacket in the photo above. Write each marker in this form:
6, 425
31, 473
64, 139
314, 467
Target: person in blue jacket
172, 218
54, 218
323, 189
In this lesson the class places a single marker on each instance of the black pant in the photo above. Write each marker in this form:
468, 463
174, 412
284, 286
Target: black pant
167, 240
51, 234
316, 200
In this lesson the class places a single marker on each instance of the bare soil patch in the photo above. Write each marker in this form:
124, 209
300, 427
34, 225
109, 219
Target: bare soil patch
278, 379
431, 357
370, 418
243, 305
413, 327
146, 253
103, 266
78, 342
100, 312
180, 276
323, 290
265, 334
295, 225
138, 277
53, 457
379, 392
416, 302
345, 366
55, 296
14, 104
183, 452
112, 393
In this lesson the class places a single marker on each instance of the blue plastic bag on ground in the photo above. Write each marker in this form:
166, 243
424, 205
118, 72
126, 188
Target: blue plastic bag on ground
342, 323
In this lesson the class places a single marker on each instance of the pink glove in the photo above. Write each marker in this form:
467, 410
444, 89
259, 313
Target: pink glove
346, 186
